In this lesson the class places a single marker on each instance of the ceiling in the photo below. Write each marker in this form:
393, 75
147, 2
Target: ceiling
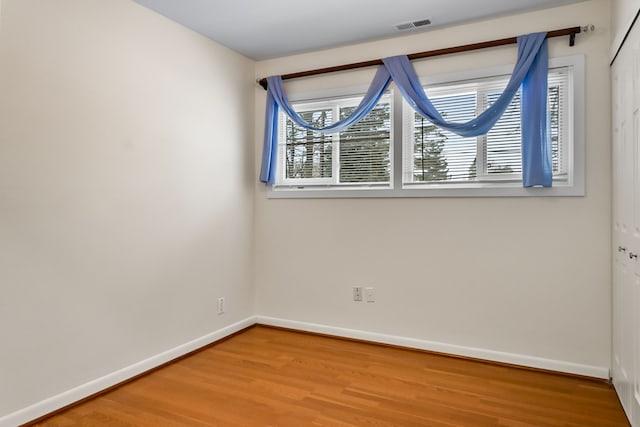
263, 29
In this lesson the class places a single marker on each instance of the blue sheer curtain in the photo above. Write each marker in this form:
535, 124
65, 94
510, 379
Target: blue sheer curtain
537, 168
530, 73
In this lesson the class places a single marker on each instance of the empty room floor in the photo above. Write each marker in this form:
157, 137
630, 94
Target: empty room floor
273, 377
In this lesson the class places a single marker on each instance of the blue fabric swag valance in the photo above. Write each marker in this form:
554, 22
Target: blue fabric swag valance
529, 73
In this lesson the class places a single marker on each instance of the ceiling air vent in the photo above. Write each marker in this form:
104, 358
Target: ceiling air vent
412, 25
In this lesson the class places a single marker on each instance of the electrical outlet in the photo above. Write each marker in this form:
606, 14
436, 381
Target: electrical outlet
370, 294
220, 305
357, 293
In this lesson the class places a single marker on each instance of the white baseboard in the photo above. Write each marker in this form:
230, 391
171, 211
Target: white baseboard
78, 393
478, 353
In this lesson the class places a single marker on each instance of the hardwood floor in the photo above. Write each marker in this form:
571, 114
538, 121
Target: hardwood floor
271, 377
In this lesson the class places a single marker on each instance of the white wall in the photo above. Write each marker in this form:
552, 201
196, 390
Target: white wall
526, 276
126, 182
622, 14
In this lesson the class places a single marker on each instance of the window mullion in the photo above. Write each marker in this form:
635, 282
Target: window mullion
335, 148
398, 147
481, 141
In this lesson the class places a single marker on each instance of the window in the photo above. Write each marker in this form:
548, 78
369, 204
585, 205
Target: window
359, 162
359, 156
436, 156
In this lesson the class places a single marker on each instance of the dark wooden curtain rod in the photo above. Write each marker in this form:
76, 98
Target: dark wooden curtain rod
571, 32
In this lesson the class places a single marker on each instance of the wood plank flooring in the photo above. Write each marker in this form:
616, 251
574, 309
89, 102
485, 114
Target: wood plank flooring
270, 377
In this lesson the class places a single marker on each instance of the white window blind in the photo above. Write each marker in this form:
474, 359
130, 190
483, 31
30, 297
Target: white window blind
365, 147
440, 155
561, 109
500, 149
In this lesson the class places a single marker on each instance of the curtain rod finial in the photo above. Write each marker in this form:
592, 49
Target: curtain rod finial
262, 82
588, 28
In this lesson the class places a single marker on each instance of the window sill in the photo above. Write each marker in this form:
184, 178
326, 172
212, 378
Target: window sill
463, 190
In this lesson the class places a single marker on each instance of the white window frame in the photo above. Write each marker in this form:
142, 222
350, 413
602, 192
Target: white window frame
574, 185
333, 182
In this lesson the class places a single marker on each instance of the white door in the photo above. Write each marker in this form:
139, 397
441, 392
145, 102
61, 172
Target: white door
634, 234
626, 225
623, 371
